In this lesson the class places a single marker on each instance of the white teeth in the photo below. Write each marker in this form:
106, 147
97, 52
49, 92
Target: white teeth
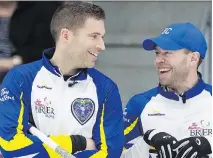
94, 54
163, 70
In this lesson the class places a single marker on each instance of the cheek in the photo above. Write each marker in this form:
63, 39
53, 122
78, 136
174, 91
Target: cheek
180, 66
80, 42
87, 46
174, 61
189, 63
176, 65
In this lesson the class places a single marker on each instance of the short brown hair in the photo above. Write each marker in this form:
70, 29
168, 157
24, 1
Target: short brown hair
72, 15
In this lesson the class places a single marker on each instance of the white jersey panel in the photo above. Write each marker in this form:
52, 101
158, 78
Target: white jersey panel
194, 118
66, 110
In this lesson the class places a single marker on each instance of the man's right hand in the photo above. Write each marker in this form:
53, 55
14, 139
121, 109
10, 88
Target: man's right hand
90, 144
162, 142
192, 147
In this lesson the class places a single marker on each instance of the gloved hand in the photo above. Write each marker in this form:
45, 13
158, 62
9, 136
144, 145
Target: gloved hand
162, 142
192, 147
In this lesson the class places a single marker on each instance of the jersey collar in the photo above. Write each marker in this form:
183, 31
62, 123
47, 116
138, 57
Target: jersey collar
194, 91
47, 55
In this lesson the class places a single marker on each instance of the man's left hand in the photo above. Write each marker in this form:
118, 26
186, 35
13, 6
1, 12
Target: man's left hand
90, 144
192, 147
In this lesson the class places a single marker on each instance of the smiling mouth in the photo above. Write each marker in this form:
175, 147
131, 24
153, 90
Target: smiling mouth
94, 54
163, 70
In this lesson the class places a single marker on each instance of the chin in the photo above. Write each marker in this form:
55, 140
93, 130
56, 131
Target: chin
91, 66
164, 83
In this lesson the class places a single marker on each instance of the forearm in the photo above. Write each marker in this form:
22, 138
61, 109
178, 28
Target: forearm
26, 143
22, 145
71, 143
63, 141
110, 150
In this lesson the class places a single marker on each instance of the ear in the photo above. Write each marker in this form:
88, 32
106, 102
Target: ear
65, 34
195, 58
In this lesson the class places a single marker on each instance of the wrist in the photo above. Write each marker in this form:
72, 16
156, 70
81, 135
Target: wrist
78, 143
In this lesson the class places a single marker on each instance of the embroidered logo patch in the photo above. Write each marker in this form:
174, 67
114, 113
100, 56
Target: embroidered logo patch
82, 109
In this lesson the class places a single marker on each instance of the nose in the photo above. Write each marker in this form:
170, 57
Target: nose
101, 45
159, 59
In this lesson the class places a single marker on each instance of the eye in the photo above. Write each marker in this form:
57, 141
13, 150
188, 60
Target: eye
94, 36
156, 53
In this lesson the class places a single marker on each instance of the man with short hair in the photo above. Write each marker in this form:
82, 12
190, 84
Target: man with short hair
63, 95
173, 120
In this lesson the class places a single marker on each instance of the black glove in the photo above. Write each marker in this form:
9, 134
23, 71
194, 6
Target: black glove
162, 142
192, 147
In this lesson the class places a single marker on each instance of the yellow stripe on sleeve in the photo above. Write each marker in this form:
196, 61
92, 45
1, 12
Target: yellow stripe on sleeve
19, 140
131, 127
102, 153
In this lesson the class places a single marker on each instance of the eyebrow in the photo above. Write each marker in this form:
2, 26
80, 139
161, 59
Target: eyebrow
97, 33
156, 50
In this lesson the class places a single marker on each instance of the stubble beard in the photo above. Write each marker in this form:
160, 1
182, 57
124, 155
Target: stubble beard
178, 78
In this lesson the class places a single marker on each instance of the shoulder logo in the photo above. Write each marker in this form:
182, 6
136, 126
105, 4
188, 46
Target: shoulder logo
5, 95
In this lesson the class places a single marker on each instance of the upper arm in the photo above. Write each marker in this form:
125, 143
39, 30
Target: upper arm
132, 121
108, 131
14, 113
14, 108
14, 116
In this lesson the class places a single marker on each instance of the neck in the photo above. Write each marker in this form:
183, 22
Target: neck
180, 88
63, 63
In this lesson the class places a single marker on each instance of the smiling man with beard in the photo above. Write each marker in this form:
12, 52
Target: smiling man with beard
173, 120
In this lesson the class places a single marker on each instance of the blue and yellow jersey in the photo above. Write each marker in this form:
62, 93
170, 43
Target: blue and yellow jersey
86, 104
182, 116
